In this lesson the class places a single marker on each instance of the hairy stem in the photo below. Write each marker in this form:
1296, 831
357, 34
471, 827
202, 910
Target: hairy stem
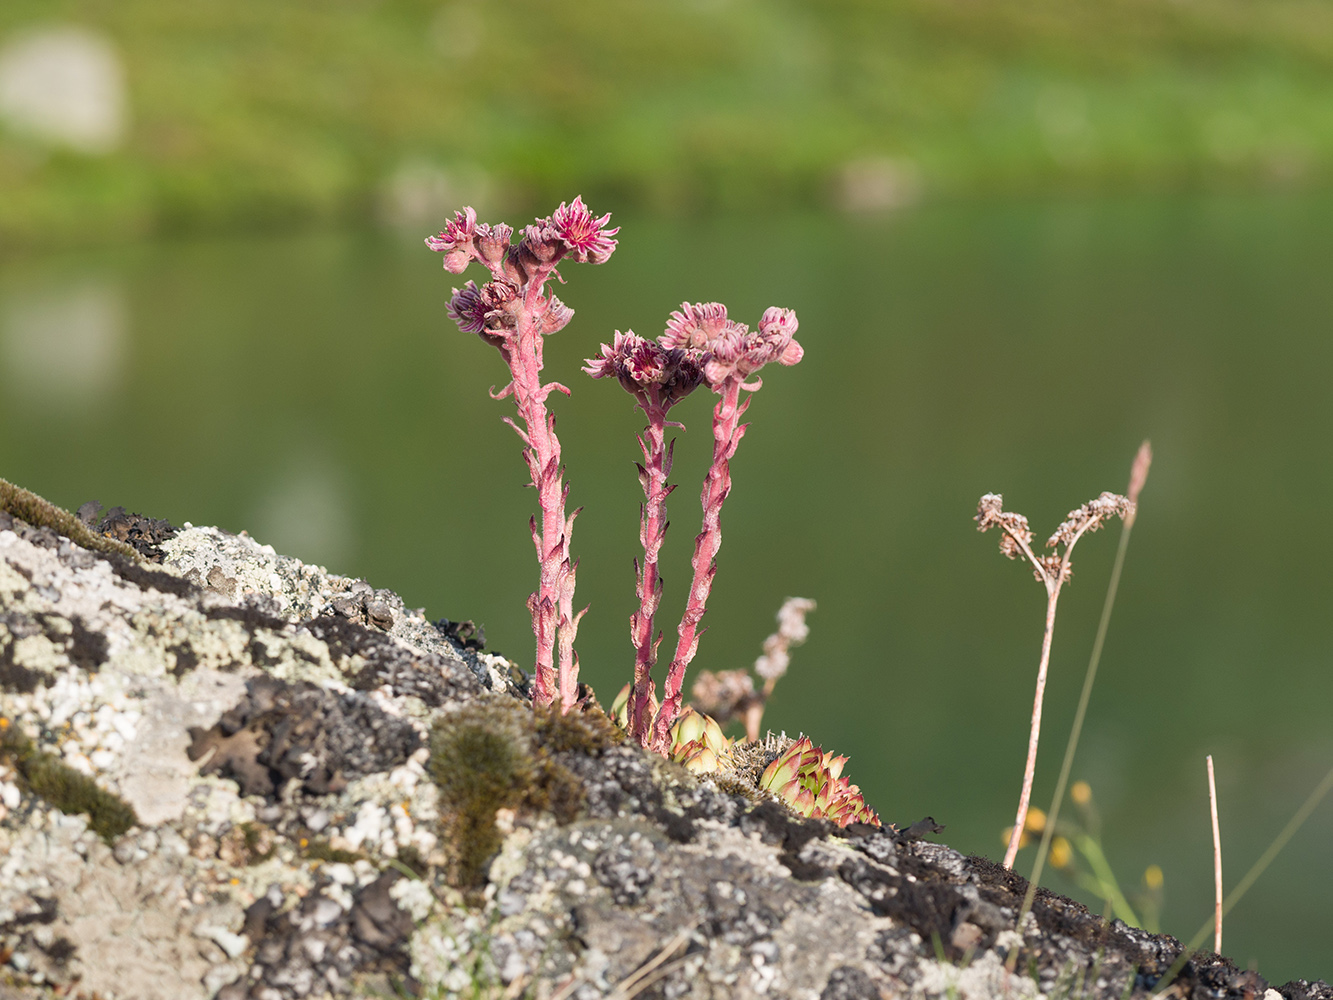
727, 433
648, 587
551, 605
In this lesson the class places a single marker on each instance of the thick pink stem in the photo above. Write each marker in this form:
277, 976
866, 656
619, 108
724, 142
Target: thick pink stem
1053, 594
648, 587
727, 433
552, 604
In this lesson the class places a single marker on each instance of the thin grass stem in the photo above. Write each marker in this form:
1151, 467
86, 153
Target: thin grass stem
1251, 876
1217, 857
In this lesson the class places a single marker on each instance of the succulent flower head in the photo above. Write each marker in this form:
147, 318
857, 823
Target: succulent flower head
455, 241
697, 325
741, 352
492, 243
646, 369
468, 309
585, 238
556, 315
810, 781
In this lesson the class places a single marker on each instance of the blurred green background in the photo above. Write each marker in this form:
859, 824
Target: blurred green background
1020, 237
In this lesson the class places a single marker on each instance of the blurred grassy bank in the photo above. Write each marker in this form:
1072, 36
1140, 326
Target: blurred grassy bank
274, 113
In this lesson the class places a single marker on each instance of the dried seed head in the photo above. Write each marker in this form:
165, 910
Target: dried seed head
722, 694
1090, 517
1049, 568
792, 631
1013, 527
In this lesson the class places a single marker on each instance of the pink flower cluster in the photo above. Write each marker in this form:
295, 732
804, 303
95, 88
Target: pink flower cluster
513, 312
700, 346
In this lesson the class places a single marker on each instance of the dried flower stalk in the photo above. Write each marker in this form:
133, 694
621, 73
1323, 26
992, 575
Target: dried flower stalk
1053, 571
513, 313
731, 694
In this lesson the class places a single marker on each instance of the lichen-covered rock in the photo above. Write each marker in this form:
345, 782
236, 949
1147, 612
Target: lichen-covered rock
234, 775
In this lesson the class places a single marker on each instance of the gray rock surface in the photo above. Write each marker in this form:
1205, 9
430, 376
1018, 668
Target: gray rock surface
294, 834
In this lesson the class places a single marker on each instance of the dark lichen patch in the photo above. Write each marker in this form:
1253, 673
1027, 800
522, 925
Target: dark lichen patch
303, 945
248, 615
145, 577
46, 776
465, 635
370, 659
282, 731
86, 649
183, 659
29, 507
144, 534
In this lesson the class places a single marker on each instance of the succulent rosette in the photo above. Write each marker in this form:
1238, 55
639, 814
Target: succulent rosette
697, 742
810, 782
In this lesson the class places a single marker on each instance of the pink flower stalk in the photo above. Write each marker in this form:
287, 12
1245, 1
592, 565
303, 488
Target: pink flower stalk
700, 344
1053, 571
734, 353
513, 313
657, 377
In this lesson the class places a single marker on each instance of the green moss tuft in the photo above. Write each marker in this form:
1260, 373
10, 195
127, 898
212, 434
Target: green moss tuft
28, 506
590, 731
481, 760
319, 849
45, 775
260, 843
500, 754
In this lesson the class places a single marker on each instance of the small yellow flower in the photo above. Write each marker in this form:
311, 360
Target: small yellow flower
1081, 792
1061, 853
1036, 821
1152, 877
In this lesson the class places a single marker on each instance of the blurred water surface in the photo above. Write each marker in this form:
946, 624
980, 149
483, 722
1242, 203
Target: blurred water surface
311, 390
